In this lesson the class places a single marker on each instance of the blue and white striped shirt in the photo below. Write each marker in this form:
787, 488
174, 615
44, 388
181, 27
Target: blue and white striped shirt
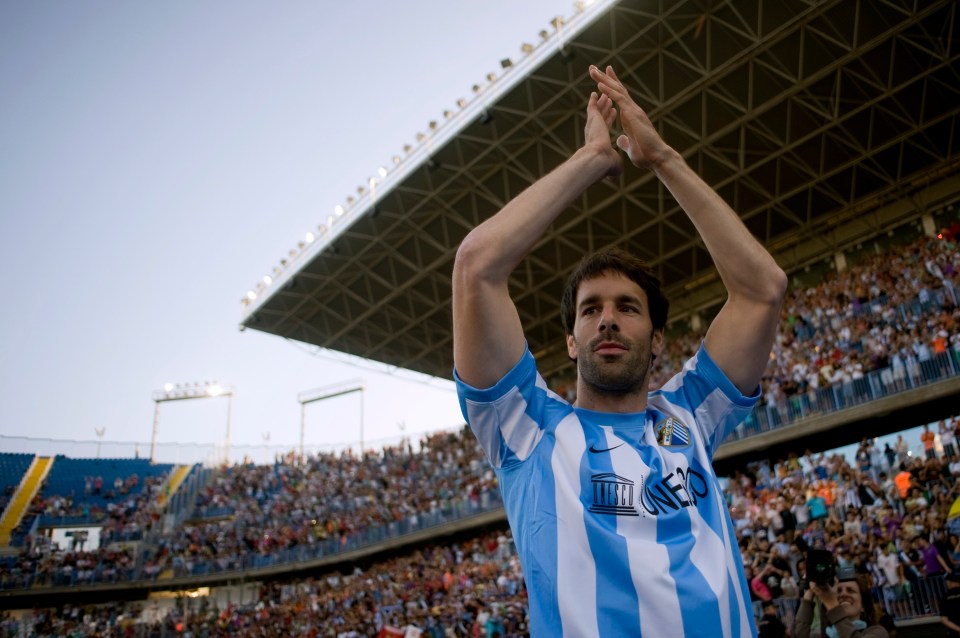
619, 520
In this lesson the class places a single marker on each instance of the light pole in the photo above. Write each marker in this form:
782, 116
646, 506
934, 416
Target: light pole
184, 392
100, 432
329, 392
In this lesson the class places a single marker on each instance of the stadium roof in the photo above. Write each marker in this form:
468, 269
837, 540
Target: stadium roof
822, 123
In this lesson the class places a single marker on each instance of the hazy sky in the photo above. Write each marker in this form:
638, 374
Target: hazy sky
158, 158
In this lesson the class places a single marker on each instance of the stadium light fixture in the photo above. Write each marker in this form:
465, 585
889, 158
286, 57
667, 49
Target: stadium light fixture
185, 392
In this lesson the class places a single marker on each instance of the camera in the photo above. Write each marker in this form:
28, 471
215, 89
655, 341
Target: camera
821, 568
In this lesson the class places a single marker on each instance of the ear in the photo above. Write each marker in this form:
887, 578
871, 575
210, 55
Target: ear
656, 342
571, 347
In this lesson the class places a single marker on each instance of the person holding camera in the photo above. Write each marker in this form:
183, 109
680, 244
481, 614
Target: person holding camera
846, 609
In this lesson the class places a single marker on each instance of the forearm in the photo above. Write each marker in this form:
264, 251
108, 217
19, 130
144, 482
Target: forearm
493, 249
801, 623
745, 267
488, 336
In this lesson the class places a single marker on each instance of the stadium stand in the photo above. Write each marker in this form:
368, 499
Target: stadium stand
892, 534
249, 517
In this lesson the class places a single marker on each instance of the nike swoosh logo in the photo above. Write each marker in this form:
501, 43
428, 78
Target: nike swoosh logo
596, 451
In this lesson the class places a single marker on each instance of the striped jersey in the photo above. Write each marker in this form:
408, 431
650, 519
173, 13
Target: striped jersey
619, 520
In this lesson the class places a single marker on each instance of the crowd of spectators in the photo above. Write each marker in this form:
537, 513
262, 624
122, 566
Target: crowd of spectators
466, 588
328, 501
883, 514
891, 313
254, 515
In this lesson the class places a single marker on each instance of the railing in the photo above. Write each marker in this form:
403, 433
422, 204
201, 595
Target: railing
907, 601
874, 385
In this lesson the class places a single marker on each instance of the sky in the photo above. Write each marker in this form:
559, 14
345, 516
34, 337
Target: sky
159, 158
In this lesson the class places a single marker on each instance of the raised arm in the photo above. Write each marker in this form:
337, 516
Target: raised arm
741, 336
488, 339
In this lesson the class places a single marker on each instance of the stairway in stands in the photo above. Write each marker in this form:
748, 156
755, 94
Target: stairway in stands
29, 486
176, 478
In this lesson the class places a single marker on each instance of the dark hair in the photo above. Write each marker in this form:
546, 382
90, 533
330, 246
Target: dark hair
616, 261
871, 611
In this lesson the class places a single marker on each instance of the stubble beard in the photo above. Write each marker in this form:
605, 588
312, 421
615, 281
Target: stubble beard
623, 374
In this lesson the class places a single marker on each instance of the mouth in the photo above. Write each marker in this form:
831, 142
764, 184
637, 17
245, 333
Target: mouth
609, 348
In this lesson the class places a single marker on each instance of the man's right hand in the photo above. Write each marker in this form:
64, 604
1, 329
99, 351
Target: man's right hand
641, 141
601, 115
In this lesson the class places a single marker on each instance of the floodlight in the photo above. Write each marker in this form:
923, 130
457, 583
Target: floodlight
382, 171
167, 387
214, 390
267, 279
526, 48
252, 296
505, 63
338, 210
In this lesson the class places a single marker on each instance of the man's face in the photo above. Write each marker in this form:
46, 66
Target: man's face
613, 337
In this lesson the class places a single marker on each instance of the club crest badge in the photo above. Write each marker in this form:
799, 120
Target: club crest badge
672, 433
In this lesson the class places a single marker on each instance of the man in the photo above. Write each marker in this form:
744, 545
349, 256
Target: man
892, 570
929, 439
769, 624
950, 606
616, 512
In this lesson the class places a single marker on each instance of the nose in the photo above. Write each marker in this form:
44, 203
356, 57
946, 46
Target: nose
608, 319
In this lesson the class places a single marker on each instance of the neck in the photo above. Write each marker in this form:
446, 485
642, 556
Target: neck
598, 400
